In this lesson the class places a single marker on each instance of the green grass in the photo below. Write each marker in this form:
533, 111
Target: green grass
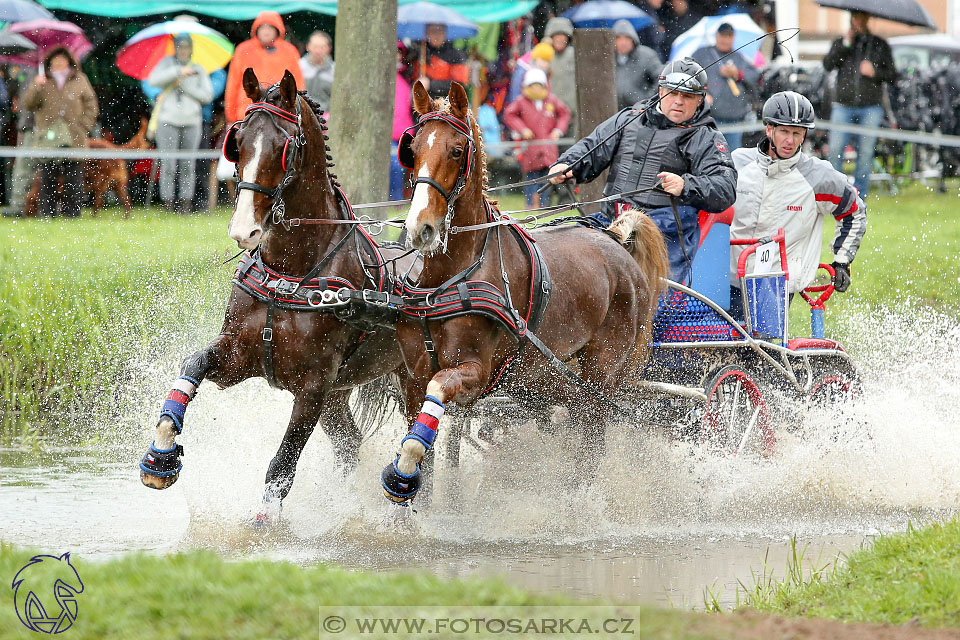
79, 298
79, 295
908, 577
200, 595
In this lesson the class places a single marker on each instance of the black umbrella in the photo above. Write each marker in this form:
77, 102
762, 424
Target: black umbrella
13, 43
905, 11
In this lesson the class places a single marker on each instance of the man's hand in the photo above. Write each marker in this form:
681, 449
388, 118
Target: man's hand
867, 69
41, 79
187, 72
841, 281
729, 70
566, 175
671, 183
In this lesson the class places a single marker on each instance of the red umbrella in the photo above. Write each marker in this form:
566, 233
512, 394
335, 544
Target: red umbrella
47, 34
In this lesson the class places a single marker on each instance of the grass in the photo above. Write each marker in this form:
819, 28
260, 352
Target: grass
199, 595
79, 297
911, 577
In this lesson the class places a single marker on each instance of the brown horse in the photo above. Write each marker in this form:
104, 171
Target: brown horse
275, 326
599, 319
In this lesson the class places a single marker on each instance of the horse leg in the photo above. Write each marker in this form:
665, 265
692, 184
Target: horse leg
337, 422
160, 465
401, 479
307, 409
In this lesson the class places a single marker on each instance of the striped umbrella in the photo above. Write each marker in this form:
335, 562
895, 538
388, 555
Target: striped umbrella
141, 53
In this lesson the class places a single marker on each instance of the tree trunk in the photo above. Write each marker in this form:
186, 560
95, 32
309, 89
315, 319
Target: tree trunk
361, 106
596, 93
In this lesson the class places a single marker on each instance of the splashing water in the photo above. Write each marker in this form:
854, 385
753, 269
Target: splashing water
865, 468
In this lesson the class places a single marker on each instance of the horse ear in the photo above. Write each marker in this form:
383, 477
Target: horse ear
421, 99
251, 86
288, 89
458, 100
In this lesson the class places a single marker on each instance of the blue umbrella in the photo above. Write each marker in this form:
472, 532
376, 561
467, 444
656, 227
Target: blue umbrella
704, 33
412, 21
22, 11
602, 14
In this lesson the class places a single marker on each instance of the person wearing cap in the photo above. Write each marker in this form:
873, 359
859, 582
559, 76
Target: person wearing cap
177, 119
540, 57
732, 82
779, 186
638, 67
669, 146
536, 115
559, 32
864, 62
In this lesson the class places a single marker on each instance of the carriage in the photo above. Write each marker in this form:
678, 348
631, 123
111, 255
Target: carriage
716, 376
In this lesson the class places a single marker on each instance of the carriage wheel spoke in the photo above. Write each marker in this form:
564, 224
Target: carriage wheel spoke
749, 429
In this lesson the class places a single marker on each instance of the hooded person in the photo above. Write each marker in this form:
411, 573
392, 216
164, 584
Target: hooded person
637, 66
540, 57
268, 54
670, 148
536, 115
559, 33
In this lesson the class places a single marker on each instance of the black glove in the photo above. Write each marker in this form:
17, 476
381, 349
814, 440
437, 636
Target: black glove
841, 281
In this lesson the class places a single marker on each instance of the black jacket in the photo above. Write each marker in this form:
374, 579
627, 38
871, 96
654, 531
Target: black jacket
695, 150
854, 89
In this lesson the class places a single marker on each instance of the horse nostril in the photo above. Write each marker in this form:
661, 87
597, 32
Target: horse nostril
254, 233
427, 233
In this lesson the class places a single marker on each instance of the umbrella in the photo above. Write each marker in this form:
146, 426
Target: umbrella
14, 43
937, 41
602, 14
412, 21
905, 11
704, 33
20, 10
47, 34
141, 53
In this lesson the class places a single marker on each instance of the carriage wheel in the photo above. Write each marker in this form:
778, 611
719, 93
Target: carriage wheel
737, 419
832, 387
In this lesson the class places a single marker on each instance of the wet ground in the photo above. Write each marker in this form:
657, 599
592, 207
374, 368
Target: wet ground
662, 523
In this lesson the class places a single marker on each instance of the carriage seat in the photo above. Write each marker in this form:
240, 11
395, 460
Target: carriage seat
710, 275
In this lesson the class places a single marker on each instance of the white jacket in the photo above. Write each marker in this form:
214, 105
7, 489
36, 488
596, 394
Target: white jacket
795, 194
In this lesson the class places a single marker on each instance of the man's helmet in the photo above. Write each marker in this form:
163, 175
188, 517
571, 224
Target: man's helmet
790, 109
684, 75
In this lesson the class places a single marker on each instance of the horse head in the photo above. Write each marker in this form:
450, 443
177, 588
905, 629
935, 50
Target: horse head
45, 592
441, 158
267, 149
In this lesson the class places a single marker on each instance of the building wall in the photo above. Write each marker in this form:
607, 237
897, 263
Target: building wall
817, 22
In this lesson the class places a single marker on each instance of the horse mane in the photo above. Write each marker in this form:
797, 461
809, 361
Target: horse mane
443, 106
318, 111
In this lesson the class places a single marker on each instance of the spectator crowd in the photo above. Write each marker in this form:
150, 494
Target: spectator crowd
522, 83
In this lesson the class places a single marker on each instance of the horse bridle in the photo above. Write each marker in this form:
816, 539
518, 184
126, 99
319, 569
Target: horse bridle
298, 140
405, 157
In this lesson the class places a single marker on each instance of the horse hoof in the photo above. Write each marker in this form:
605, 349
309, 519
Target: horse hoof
160, 468
155, 482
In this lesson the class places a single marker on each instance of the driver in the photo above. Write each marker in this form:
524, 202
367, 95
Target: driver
675, 143
778, 186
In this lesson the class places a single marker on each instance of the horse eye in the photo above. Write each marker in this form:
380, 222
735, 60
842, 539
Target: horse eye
457, 152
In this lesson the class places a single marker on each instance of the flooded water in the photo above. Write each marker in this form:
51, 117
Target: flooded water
662, 522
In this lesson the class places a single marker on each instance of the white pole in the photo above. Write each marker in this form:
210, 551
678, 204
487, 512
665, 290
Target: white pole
788, 16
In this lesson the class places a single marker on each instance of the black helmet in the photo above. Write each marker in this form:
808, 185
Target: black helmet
788, 108
684, 75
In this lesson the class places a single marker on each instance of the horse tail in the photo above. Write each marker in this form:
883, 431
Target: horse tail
373, 403
640, 236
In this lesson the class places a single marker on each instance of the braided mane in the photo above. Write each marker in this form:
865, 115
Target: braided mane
443, 105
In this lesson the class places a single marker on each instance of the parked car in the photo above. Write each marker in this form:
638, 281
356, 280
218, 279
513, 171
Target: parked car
927, 51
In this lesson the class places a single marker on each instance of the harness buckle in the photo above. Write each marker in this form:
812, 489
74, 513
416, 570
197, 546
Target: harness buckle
284, 286
428, 344
377, 298
267, 334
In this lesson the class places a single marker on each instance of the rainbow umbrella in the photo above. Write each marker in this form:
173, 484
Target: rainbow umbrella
141, 53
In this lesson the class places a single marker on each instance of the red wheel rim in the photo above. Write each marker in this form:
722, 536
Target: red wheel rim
734, 390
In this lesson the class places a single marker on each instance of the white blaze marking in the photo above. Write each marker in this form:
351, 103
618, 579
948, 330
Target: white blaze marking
430, 139
418, 203
243, 222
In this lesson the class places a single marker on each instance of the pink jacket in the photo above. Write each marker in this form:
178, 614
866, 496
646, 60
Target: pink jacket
523, 114
402, 118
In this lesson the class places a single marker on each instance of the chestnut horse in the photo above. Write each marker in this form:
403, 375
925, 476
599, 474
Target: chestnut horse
604, 295
275, 326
